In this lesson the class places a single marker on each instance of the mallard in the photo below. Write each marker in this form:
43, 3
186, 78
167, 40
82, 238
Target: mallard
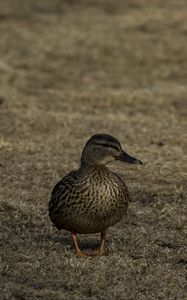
92, 198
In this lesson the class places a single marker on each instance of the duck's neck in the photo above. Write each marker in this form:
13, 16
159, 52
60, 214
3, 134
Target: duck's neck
94, 169
84, 165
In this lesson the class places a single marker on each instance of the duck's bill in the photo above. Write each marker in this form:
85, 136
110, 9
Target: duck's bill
123, 156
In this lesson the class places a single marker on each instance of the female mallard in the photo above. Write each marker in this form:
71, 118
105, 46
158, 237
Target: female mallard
92, 198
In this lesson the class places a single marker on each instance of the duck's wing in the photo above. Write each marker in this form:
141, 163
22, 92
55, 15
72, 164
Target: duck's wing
61, 192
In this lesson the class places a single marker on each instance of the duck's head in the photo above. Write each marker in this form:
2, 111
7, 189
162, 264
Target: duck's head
102, 149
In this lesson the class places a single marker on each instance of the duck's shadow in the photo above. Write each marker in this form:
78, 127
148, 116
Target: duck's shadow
65, 240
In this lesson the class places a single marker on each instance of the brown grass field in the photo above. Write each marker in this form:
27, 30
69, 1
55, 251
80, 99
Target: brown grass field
70, 69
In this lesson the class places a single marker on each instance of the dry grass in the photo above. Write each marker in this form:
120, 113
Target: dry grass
69, 69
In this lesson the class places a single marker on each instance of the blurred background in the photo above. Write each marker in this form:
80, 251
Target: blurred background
70, 69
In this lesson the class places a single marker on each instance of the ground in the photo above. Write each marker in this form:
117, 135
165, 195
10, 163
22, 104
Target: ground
70, 69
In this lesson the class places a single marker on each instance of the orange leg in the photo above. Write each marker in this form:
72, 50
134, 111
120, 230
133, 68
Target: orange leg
102, 249
75, 242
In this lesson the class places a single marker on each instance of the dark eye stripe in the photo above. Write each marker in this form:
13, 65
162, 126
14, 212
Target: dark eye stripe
106, 145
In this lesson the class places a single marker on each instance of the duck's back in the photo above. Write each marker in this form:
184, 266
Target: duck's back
88, 200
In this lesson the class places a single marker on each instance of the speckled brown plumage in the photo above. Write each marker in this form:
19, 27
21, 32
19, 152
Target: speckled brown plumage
92, 198
88, 200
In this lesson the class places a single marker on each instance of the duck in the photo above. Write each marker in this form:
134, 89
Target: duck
92, 198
